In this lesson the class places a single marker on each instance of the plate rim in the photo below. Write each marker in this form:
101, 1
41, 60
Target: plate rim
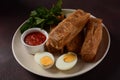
68, 76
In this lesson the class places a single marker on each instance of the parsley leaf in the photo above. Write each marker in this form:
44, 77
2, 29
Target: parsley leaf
43, 17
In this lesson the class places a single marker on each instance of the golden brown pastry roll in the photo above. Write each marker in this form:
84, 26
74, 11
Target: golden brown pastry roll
75, 44
66, 30
92, 39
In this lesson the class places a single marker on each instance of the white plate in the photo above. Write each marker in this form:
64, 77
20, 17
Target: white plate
27, 61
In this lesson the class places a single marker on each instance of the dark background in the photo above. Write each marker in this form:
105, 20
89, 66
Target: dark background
15, 12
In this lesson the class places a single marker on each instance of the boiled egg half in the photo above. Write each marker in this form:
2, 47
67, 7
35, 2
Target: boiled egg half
66, 61
44, 59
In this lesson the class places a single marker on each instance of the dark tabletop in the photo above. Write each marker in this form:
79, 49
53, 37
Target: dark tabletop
14, 12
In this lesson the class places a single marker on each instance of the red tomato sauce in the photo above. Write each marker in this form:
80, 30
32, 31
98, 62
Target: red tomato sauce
35, 38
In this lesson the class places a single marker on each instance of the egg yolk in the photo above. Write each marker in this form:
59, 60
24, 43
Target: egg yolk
46, 61
69, 57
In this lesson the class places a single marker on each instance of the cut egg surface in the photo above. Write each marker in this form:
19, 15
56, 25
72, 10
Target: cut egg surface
66, 61
44, 59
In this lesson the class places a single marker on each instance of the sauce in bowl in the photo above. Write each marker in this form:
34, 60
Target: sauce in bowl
34, 38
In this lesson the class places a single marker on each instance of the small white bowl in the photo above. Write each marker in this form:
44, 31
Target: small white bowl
33, 49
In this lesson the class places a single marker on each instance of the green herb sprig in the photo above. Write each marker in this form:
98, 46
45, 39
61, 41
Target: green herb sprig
43, 17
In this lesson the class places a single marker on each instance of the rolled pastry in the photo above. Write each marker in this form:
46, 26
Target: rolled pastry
92, 39
66, 30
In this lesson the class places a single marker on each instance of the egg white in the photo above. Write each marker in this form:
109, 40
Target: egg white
39, 55
62, 65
